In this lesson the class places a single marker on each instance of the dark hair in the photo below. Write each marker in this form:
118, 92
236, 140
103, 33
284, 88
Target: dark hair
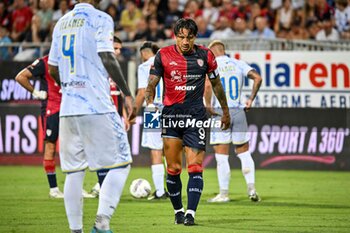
309, 23
151, 17
149, 45
326, 17
188, 24
342, 3
117, 40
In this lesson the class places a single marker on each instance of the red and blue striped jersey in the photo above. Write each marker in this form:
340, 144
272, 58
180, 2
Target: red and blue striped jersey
183, 75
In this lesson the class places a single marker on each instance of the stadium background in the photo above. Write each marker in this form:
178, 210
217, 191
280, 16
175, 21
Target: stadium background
300, 120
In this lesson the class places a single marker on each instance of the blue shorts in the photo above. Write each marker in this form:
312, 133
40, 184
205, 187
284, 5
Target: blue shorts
191, 131
50, 127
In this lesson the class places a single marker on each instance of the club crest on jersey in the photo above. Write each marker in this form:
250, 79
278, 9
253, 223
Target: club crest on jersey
175, 76
200, 62
48, 132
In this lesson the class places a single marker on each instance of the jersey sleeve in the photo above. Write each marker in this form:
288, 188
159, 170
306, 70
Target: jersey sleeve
157, 67
142, 77
54, 54
245, 67
104, 35
37, 68
212, 65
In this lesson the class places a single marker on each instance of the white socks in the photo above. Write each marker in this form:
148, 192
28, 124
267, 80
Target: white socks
180, 210
248, 167
73, 199
111, 190
158, 178
191, 212
224, 172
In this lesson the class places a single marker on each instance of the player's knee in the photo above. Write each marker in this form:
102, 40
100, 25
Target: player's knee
50, 150
195, 168
49, 166
242, 148
156, 159
174, 171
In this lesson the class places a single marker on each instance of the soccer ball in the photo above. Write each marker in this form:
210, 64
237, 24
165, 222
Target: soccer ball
140, 188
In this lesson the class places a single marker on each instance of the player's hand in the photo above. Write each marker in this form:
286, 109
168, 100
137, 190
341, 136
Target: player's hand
41, 95
248, 105
132, 121
132, 116
225, 120
130, 108
151, 107
127, 124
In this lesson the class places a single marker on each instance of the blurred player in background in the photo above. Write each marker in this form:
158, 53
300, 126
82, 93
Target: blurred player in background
92, 135
183, 68
118, 102
151, 139
232, 73
115, 92
50, 97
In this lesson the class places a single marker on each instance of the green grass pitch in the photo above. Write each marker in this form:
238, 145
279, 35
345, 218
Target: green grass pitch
292, 201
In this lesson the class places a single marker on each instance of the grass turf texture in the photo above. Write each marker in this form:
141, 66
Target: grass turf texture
292, 201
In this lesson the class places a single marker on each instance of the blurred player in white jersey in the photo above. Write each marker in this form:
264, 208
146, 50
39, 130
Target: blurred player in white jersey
92, 135
232, 73
151, 139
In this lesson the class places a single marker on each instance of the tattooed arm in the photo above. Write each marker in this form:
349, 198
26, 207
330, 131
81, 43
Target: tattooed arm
257, 82
220, 94
151, 88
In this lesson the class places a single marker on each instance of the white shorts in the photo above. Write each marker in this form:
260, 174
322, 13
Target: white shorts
96, 141
152, 139
237, 133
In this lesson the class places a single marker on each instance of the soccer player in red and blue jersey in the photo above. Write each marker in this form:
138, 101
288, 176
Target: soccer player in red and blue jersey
50, 97
183, 68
